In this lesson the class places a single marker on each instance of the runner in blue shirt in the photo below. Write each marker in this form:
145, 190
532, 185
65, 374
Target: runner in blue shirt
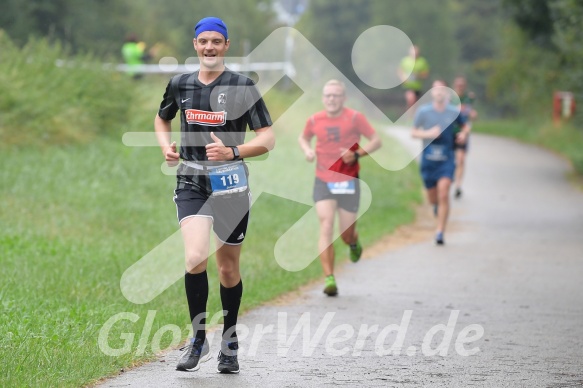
435, 123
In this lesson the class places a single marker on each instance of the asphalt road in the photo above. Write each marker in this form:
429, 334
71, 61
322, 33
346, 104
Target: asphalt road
500, 305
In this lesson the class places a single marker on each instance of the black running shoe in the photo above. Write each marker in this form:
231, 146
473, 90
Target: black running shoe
228, 358
439, 238
194, 354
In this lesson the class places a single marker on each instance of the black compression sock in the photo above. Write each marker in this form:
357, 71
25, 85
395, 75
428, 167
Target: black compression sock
197, 291
231, 300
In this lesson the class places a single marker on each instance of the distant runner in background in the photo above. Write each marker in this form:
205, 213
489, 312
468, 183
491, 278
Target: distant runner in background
134, 54
469, 114
412, 71
435, 123
336, 190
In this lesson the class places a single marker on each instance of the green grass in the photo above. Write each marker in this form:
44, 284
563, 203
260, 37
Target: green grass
43, 104
566, 140
73, 218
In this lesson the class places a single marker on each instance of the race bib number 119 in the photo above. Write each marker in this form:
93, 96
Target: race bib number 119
228, 179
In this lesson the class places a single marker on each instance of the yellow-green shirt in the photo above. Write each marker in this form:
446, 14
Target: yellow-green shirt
416, 67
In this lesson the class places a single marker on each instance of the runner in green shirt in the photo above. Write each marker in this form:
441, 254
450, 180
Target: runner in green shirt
134, 54
412, 71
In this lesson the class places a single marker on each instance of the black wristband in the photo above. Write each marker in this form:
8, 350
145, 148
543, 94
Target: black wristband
356, 156
236, 155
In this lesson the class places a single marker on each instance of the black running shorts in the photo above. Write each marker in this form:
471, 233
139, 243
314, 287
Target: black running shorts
348, 202
230, 213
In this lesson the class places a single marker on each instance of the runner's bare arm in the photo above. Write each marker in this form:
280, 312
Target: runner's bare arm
431, 133
163, 128
374, 143
462, 136
306, 148
263, 142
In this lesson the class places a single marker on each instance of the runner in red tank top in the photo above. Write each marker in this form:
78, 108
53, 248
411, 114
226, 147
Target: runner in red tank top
336, 190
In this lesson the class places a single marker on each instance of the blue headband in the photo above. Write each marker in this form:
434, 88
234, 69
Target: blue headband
211, 24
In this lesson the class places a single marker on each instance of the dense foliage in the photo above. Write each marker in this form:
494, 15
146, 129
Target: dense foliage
514, 52
542, 53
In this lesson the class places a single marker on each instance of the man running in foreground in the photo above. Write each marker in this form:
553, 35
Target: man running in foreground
216, 105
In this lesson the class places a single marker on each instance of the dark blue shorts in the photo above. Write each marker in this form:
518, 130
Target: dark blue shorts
431, 172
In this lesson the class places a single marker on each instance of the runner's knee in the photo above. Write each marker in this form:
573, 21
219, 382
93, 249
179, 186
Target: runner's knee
195, 261
228, 271
326, 226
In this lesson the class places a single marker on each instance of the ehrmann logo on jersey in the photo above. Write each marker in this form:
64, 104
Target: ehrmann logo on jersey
195, 116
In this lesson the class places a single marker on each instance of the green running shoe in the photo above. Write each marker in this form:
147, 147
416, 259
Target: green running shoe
355, 251
330, 288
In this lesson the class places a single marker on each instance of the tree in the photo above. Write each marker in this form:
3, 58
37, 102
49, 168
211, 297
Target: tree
100, 26
333, 26
430, 26
544, 55
534, 18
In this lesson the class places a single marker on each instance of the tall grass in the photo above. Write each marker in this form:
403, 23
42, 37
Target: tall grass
42, 103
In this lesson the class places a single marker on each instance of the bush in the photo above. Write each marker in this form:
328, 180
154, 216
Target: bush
50, 97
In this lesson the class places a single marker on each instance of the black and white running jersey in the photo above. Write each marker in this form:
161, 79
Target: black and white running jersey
226, 107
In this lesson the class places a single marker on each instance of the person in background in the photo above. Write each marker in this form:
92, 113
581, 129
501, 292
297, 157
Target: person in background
134, 55
469, 114
434, 123
337, 130
413, 70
